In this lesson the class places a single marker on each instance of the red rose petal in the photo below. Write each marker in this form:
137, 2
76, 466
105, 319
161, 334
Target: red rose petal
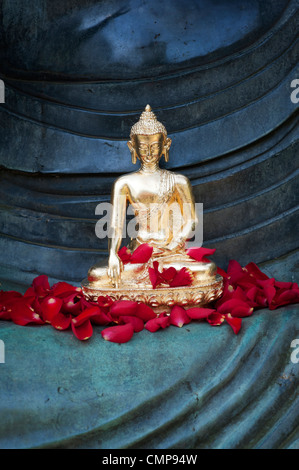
215, 319
123, 307
50, 306
268, 288
7, 300
119, 333
231, 293
84, 331
23, 314
103, 319
72, 304
86, 315
221, 272
7, 296
93, 313
179, 316
251, 294
283, 285
5, 314
233, 303
168, 274
261, 299
199, 313
104, 301
199, 254
142, 254
64, 289
255, 272
155, 277
235, 271
124, 254
136, 322
183, 277
156, 323
41, 285
285, 297
30, 292
61, 321
241, 312
144, 312
235, 323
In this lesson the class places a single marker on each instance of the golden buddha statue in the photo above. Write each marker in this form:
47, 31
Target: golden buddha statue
152, 191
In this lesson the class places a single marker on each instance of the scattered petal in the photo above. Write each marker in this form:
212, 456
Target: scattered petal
86, 315
124, 254
254, 271
23, 314
235, 323
156, 323
123, 307
84, 331
50, 306
235, 271
61, 321
41, 285
119, 333
215, 319
231, 304
142, 254
155, 276
64, 289
268, 288
183, 277
241, 312
199, 254
144, 312
72, 304
199, 313
284, 297
136, 322
179, 316
168, 274
104, 301
221, 272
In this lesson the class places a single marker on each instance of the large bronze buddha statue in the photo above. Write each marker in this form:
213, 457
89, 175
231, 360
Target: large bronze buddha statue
164, 209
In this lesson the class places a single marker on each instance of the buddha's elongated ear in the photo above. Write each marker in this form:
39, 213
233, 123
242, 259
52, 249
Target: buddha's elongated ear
166, 148
133, 151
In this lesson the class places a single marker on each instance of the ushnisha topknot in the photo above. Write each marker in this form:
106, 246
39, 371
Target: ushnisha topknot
148, 124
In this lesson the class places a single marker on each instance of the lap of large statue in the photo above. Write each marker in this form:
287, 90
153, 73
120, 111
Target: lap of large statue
133, 274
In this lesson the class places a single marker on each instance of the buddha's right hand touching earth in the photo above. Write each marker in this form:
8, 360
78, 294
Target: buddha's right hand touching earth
115, 267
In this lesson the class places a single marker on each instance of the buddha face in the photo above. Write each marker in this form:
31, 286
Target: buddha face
149, 148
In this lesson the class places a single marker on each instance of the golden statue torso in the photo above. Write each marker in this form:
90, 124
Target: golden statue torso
153, 198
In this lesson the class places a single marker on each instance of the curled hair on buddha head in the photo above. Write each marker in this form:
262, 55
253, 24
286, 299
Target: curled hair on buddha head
148, 125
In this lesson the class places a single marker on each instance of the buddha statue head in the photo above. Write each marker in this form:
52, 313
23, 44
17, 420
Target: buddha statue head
148, 139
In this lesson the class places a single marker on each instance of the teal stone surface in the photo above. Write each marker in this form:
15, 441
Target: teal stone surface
180, 388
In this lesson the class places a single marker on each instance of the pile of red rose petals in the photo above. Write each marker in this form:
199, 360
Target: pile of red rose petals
141, 255
167, 277
64, 307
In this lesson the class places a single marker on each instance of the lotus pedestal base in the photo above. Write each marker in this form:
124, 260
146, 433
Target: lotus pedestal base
161, 298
